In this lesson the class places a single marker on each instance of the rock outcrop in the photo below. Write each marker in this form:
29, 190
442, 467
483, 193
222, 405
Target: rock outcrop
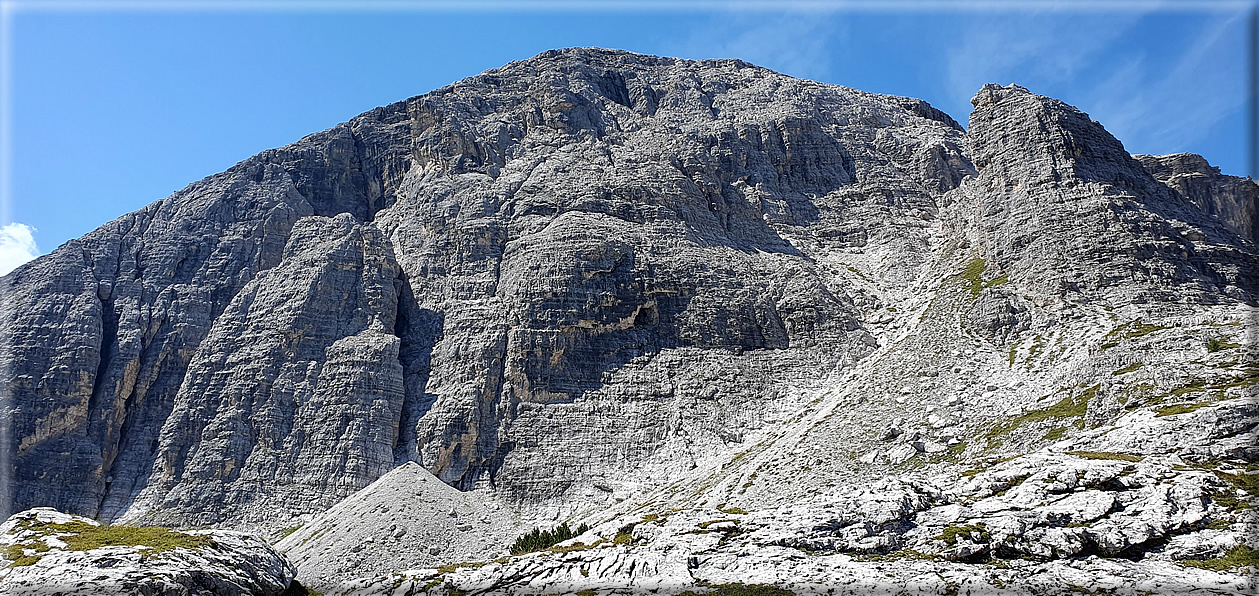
1230, 198
49, 552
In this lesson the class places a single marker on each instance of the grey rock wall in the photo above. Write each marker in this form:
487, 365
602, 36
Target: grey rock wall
1230, 198
565, 283
1067, 214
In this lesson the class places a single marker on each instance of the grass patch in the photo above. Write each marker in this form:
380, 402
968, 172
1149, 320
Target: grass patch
732, 510
540, 539
1241, 481
1219, 524
1180, 409
80, 536
451, 568
1238, 556
285, 532
1106, 455
1215, 344
16, 554
1054, 434
1127, 369
975, 533
575, 547
1230, 501
973, 275
1129, 330
704, 525
740, 589
1068, 407
1194, 386
624, 536
1251, 378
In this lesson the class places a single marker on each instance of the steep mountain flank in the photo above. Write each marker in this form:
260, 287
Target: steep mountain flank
751, 328
586, 239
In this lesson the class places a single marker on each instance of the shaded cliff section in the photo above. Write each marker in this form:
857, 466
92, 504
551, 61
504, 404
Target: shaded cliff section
99, 333
1232, 199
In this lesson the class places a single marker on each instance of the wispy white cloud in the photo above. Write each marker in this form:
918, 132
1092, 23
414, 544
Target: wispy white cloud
1150, 103
17, 246
1167, 111
795, 43
1032, 49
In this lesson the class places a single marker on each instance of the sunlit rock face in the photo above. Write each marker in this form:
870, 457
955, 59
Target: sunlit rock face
589, 256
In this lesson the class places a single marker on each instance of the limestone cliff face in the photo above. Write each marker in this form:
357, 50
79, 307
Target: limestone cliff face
568, 281
1060, 207
1234, 200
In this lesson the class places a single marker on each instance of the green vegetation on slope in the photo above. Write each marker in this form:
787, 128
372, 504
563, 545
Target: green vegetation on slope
540, 539
1238, 556
1106, 455
739, 589
973, 275
975, 533
1129, 330
1068, 407
80, 536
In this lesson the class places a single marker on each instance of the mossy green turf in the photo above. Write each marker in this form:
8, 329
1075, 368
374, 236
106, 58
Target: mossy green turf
80, 536
976, 532
1068, 407
738, 589
1129, 330
1238, 556
1106, 455
973, 274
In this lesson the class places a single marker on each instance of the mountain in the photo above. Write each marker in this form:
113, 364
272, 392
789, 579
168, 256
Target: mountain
601, 286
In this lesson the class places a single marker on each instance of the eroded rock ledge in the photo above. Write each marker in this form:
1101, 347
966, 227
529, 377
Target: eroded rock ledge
49, 552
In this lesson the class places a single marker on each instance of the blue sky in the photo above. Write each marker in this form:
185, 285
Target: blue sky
110, 106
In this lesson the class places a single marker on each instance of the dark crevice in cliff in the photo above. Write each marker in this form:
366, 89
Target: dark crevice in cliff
418, 330
109, 339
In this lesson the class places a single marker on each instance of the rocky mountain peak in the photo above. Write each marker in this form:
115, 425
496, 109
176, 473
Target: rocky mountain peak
1231, 199
594, 282
1045, 139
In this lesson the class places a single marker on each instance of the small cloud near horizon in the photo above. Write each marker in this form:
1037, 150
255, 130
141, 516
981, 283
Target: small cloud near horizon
17, 246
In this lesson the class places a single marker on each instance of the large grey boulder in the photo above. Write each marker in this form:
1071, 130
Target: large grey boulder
49, 552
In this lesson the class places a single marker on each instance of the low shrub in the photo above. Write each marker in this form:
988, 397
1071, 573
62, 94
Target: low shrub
540, 539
